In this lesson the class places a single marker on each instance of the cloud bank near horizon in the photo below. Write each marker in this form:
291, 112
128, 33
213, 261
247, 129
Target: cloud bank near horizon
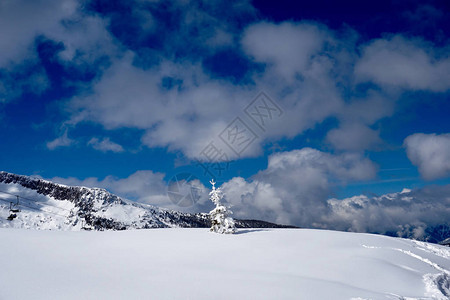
277, 195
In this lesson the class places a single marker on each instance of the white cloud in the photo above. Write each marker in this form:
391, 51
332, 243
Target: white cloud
186, 117
105, 145
357, 117
22, 21
294, 187
84, 37
410, 64
353, 137
198, 107
302, 60
309, 70
287, 47
62, 141
430, 153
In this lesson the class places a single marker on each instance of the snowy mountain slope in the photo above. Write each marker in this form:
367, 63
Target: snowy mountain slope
196, 264
48, 205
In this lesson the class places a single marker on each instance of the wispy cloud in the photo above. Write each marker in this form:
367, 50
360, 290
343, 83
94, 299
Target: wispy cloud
105, 145
62, 141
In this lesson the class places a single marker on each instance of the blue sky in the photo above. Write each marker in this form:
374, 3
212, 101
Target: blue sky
112, 92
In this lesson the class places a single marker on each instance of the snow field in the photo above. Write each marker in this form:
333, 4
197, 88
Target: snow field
196, 264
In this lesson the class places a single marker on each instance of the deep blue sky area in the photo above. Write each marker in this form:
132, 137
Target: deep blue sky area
371, 19
112, 90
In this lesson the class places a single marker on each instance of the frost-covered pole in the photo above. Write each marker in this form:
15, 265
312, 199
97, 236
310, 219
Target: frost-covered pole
220, 220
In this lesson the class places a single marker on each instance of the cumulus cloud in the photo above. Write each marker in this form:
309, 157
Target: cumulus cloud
409, 64
295, 186
186, 116
430, 153
301, 62
105, 145
182, 107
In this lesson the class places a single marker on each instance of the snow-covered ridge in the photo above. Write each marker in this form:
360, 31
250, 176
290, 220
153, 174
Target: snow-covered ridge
47, 205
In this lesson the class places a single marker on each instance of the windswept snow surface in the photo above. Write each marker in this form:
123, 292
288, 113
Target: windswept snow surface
196, 264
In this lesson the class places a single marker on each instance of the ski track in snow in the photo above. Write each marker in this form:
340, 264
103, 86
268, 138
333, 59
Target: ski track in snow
437, 286
433, 249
